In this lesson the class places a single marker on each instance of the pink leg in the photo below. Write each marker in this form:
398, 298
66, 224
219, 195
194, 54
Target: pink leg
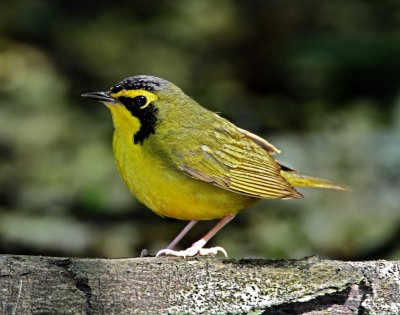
186, 229
221, 223
198, 247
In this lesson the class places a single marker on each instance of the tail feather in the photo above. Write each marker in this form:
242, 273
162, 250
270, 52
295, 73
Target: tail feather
298, 180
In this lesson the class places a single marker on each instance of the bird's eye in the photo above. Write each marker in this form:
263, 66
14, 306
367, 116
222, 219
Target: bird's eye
139, 101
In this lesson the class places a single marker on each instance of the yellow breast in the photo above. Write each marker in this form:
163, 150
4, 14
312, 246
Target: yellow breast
168, 192
164, 188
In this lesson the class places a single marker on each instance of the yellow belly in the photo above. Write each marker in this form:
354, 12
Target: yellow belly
168, 191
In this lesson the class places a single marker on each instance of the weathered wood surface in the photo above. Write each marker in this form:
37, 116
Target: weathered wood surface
48, 285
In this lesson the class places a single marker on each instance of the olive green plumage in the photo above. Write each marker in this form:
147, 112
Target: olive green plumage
186, 162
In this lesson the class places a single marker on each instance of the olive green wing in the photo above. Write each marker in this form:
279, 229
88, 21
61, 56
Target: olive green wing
264, 144
237, 161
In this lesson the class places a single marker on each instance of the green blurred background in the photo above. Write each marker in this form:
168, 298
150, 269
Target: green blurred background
319, 79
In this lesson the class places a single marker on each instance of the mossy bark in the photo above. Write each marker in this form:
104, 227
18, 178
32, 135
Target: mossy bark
48, 285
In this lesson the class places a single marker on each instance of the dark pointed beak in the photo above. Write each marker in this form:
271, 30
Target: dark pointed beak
99, 96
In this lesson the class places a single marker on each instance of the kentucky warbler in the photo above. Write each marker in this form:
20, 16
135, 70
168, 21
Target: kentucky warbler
186, 162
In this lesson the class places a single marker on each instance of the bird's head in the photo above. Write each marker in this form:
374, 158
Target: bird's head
137, 102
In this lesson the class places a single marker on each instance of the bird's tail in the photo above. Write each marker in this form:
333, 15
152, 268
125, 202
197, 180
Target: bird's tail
298, 180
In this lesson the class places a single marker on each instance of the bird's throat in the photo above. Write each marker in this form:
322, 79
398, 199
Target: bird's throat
140, 123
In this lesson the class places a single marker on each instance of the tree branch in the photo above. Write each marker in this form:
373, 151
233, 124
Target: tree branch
47, 285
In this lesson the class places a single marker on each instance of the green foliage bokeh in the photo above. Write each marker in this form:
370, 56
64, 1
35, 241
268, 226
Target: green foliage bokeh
320, 80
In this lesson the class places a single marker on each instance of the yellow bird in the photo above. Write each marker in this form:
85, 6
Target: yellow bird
188, 163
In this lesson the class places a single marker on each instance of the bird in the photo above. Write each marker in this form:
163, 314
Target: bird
186, 162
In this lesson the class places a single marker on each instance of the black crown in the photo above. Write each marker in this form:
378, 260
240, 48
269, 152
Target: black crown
139, 82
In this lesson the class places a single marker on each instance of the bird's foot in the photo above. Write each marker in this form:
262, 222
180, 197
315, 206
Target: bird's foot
195, 249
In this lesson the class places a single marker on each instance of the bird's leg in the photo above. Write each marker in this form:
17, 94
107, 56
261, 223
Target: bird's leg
185, 230
198, 247
177, 239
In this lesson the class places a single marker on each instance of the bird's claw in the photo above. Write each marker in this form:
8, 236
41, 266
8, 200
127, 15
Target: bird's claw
190, 253
195, 249
212, 251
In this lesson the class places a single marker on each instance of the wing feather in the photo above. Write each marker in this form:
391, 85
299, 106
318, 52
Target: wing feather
270, 148
236, 160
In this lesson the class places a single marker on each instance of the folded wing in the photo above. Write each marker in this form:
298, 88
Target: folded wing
236, 160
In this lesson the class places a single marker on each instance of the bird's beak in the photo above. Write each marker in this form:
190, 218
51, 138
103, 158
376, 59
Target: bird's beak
99, 96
